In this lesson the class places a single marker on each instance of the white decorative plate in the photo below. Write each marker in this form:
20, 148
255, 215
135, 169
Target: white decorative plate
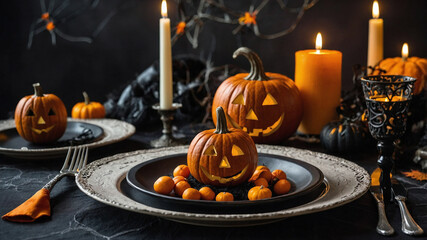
102, 179
113, 131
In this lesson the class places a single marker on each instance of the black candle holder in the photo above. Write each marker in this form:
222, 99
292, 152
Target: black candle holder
387, 99
167, 139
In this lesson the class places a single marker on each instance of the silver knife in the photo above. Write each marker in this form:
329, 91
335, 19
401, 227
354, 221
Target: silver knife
409, 226
383, 226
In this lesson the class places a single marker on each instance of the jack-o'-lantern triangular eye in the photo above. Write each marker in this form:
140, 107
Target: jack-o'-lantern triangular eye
30, 113
210, 151
51, 112
236, 151
239, 100
269, 100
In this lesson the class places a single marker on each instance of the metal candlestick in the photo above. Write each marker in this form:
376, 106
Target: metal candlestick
387, 99
166, 115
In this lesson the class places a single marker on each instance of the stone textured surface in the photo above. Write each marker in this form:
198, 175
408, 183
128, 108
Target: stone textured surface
77, 216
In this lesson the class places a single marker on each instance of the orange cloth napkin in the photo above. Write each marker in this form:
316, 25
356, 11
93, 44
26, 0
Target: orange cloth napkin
37, 206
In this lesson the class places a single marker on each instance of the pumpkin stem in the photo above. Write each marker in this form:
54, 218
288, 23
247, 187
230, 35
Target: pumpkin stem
257, 70
38, 91
221, 122
87, 100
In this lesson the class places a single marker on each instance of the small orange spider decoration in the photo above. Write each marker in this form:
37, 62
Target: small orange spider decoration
45, 16
248, 19
50, 26
51, 16
180, 28
49, 23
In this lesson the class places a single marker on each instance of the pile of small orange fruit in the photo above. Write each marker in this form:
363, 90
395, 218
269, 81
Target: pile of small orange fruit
179, 184
261, 178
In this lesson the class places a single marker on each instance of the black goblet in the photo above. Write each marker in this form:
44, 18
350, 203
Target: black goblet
387, 99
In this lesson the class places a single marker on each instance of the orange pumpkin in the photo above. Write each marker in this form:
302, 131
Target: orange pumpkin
222, 157
278, 174
88, 109
261, 182
267, 106
40, 118
224, 197
259, 192
413, 67
261, 172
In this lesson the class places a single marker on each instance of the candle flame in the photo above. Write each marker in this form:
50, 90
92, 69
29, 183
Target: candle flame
319, 41
375, 10
405, 51
164, 9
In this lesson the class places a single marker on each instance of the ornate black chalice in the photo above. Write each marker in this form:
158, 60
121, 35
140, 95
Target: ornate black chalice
387, 99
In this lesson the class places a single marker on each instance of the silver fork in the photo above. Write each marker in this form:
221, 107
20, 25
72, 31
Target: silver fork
78, 161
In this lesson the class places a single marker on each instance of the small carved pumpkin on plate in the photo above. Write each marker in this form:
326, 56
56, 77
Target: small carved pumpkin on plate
40, 118
266, 105
222, 157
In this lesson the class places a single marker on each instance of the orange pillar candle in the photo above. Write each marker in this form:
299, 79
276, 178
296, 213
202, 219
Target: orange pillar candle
318, 78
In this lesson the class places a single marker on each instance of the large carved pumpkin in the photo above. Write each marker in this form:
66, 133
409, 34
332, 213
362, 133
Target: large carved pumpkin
413, 67
222, 157
40, 118
267, 106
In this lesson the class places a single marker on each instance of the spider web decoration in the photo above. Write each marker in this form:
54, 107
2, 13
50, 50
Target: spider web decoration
194, 14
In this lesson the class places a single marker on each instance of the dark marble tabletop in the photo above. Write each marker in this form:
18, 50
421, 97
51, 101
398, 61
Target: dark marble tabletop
77, 216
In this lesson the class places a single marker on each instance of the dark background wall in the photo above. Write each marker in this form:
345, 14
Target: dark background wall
129, 43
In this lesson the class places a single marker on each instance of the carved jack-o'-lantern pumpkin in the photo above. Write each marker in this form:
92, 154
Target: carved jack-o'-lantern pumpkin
222, 157
267, 106
40, 118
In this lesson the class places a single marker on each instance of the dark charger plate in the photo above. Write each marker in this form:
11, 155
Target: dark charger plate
76, 132
306, 179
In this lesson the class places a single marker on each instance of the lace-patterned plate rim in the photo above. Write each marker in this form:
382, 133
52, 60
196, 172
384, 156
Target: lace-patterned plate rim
114, 131
101, 180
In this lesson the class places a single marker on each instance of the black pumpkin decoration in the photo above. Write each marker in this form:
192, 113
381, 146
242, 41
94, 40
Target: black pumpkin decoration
343, 136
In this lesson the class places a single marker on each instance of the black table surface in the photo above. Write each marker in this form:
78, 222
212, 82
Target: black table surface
78, 216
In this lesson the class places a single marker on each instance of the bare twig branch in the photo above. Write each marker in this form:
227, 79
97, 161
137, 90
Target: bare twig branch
207, 10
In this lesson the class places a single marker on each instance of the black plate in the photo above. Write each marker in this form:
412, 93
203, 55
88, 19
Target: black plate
74, 132
306, 180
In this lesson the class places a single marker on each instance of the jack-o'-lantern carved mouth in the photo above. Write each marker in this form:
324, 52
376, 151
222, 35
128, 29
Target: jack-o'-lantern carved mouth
43, 130
224, 179
256, 132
